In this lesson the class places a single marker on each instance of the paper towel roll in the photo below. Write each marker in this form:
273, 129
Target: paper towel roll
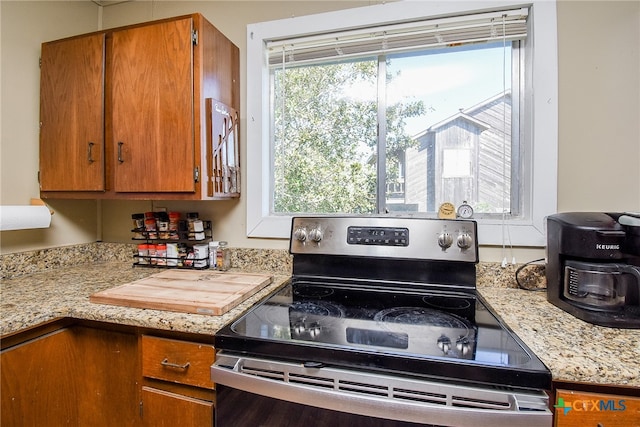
24, 217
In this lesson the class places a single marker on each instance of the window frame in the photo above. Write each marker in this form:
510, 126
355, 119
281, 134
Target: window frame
540, 174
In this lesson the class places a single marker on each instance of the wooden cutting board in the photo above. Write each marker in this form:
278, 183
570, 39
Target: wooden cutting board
188, 291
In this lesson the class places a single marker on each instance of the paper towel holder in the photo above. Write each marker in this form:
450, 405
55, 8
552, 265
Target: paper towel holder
24, 217
39, 202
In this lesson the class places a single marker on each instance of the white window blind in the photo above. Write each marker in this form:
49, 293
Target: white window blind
408, 36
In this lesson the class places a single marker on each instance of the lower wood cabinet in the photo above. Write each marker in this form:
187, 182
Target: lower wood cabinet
595, 409
98, 375
35, 382
75, 376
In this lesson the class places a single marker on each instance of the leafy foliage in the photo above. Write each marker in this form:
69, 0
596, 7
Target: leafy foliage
325, 138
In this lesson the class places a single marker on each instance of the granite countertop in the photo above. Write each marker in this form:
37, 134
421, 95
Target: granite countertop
572, 349
34, 299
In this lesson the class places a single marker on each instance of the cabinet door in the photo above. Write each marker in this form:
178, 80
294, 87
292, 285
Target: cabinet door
162, 408
71, 114
151, 85
37, 388
106, 372
582, 409
75, 377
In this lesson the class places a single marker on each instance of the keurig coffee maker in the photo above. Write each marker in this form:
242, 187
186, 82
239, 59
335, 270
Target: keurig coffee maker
593, 266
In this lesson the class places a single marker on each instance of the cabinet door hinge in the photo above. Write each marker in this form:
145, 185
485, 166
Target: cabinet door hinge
196, 174
40, 62
194, 37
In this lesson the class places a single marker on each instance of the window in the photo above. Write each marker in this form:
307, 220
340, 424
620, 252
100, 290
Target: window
343, 118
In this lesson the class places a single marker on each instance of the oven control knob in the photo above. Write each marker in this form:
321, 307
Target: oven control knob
462, 345
298, 328
300, 234
444, 343
314, 330
445, 240
465, 241
315, 235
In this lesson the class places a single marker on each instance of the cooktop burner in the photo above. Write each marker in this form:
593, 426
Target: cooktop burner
315, 308
420, 316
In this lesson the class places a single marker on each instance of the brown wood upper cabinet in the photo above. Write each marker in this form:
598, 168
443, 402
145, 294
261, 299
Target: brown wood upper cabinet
124, 112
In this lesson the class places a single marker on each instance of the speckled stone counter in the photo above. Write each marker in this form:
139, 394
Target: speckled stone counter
572, 349
41, 297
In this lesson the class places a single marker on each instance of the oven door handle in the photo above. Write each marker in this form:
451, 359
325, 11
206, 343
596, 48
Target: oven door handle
268, 379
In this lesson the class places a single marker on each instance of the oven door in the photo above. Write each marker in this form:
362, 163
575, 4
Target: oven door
259, 392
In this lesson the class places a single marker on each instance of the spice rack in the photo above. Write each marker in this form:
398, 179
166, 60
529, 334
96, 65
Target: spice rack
171, 243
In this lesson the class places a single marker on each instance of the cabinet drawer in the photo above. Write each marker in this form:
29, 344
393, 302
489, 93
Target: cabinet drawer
177, 361
582, 409
162, 408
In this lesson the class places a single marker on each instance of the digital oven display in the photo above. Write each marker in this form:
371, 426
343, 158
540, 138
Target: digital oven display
380, 236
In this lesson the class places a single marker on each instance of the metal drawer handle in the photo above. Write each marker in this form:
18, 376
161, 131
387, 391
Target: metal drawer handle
120, 159
168, 364
90, 157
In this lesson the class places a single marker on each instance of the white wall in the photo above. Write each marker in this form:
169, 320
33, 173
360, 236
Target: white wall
599, 106
24, 26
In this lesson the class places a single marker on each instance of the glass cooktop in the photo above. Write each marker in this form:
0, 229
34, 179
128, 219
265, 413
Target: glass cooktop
433, 333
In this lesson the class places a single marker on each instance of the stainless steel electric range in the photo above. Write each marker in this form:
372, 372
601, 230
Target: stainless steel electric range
380, 325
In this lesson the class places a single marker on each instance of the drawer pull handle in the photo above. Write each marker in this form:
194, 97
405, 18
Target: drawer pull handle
89, 154
120, 159
168, 364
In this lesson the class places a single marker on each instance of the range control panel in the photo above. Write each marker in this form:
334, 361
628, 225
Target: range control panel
386, 237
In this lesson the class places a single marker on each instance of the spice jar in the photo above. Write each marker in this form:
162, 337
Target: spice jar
138, 226
150, 225
143, 253
152, 254
163, 225
183, 252
161, 254
223, 257
172, 254
213, 254
174, 221
200, 255
196, 226
138, 221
